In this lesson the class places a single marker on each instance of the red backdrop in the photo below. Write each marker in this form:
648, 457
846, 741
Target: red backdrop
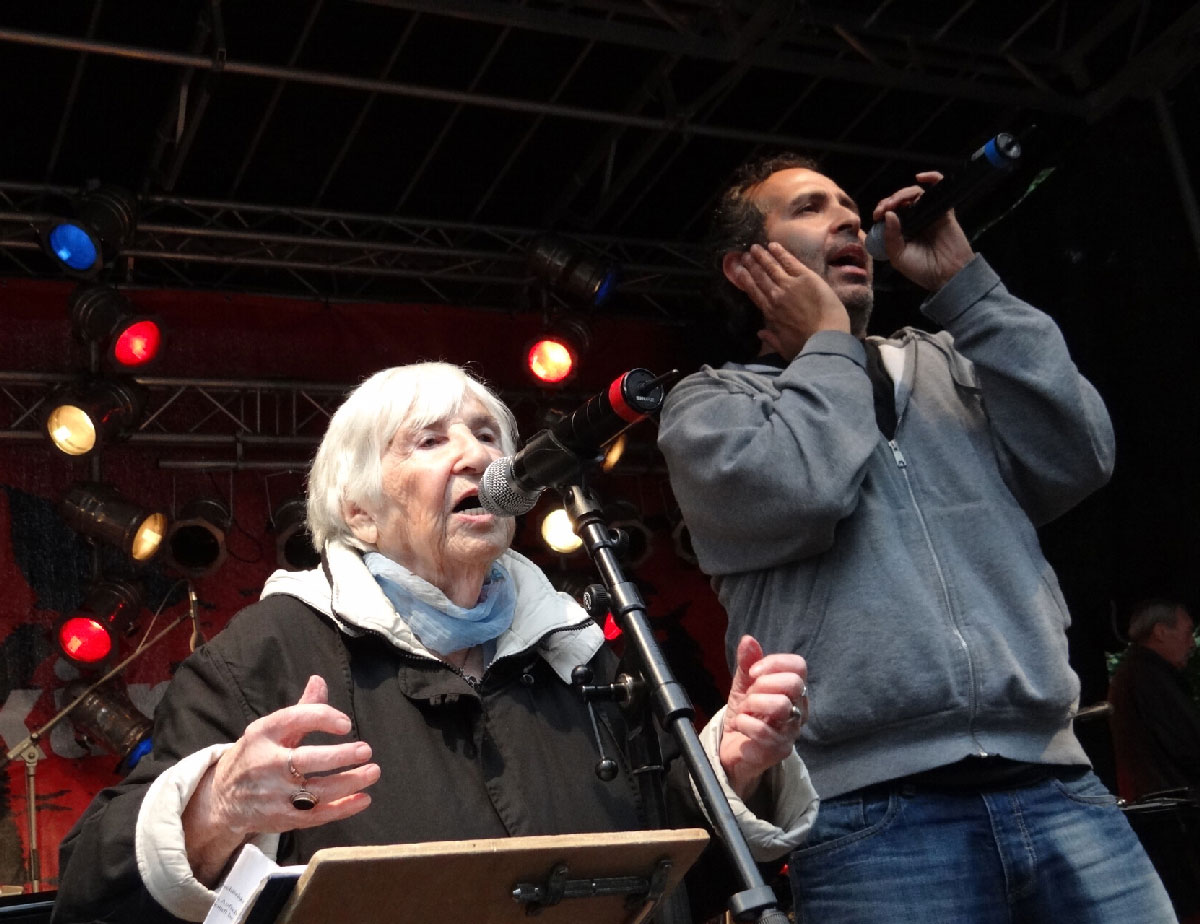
45, 567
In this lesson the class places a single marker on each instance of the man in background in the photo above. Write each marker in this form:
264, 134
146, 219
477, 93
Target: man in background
1155, 722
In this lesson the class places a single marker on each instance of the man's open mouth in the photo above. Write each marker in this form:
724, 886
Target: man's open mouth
852, 255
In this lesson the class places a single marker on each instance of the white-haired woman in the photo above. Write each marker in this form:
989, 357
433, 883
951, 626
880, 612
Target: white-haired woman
415, 686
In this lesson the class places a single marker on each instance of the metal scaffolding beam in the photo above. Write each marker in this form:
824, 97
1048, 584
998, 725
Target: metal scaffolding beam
242, 415
531, 106
317, 251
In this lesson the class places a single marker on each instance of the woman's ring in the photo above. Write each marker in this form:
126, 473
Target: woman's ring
304, 800
293, 771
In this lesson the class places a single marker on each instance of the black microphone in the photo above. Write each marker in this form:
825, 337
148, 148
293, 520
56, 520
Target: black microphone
511, 486
986, 166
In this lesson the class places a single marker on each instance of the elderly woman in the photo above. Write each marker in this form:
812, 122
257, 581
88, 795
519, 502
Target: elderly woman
414, 687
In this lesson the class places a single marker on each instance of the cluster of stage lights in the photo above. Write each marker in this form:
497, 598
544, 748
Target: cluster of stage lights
194, 544
86, 414
89, 637
81, 419
103, 714
579, 279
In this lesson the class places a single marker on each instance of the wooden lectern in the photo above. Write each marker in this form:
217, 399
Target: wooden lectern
611, 878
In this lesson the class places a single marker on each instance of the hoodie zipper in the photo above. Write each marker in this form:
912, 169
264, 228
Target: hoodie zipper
902, 465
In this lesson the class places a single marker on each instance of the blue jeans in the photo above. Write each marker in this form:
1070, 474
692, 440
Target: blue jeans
1059, 852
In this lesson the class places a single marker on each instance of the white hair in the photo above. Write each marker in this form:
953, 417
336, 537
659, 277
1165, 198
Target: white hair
1150, 613
347, 467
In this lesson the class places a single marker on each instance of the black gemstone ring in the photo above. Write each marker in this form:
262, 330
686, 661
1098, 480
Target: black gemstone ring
304, 800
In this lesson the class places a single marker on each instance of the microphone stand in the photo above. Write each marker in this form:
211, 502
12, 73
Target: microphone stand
669, 702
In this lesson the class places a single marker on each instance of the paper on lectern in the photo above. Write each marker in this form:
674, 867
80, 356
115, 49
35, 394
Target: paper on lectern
255, 889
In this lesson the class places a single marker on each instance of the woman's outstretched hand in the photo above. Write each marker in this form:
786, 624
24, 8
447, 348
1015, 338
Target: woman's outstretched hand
767, 706
262, 784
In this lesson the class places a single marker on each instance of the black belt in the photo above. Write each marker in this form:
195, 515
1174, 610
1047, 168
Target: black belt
979, 774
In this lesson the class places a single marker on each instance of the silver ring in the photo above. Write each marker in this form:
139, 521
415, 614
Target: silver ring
803, 689
292, 769
304, 800
796, 712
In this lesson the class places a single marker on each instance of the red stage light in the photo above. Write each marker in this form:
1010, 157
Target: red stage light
138, 343
102, 316
551, 361
84, 639
91, 634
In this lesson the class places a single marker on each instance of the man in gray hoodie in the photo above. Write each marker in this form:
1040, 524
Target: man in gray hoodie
873, 504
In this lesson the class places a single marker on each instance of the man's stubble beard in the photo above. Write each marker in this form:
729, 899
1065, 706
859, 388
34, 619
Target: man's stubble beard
858, 302
858, 306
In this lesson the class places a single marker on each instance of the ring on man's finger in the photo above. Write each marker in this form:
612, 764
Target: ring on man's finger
304, 799
292, 768
797, 713
803, 689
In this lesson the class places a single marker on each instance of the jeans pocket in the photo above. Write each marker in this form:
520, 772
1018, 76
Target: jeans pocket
1085, 789
847, 819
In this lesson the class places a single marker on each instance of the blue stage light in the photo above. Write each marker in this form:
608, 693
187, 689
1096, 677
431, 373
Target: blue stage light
605, 289
73, 246
572, 272
143, 747
102, 226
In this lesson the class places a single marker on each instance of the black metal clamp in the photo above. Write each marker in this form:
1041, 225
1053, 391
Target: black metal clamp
638, 890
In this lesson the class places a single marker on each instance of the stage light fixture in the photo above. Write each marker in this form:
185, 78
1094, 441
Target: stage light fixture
550, 360
102, 315
83, 417
571, 272
554, 357
681, 540
637, 542
558, 533
89, 635
196, 538
102, 226
106, 717
99, 512
294, 549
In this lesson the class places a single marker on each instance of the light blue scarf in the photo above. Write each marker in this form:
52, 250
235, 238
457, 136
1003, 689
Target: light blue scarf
440, 624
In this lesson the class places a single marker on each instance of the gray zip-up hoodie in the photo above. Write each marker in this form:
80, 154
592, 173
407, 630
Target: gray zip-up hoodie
907, 572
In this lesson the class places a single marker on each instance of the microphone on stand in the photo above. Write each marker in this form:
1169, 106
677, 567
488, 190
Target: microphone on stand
511, 486
981, 171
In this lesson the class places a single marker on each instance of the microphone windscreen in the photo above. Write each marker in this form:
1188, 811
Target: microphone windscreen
874, 243
499, 493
